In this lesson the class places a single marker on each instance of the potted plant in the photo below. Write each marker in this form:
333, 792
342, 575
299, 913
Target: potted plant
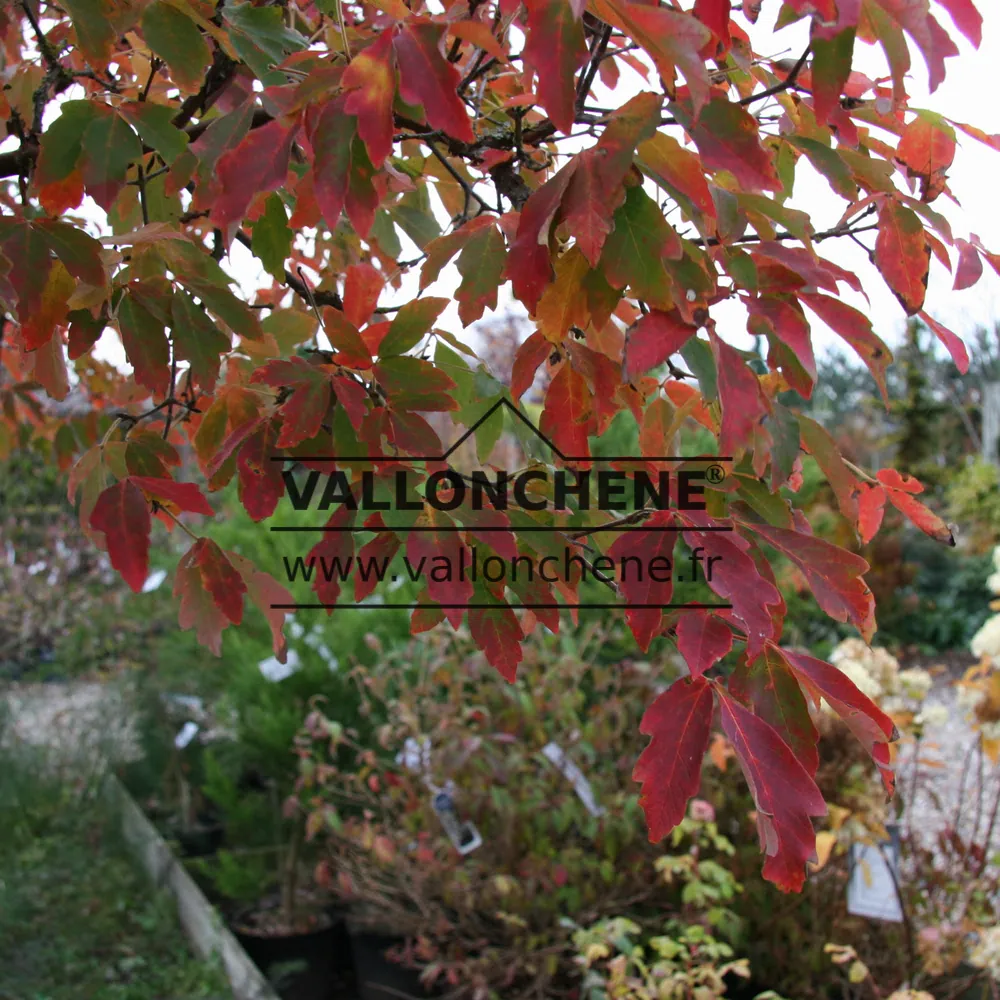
492, 818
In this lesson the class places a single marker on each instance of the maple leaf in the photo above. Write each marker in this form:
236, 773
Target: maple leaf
767, 685
265, 592
652, 340
734, 575
743, 403
639, 581
864, 718
496, 631
260, 483
784, 804
427, 78
122, 514
903, 254
927, 150
679, 723
370, 79
555, 50
871, 508
441, 552
568, 414
529, 264
334, 549
899, 491
835, 577
703, 640
530, 355
310, 397
259, 163
183, 496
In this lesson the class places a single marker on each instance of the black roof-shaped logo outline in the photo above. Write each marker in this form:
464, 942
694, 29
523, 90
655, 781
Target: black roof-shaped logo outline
502, 402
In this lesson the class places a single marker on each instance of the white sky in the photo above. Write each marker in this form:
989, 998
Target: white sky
965, 96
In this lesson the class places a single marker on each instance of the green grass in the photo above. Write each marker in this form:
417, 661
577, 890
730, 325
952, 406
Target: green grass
77, 920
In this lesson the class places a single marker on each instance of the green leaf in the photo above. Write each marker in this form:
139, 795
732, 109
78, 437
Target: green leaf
261, 39
109, 147
61, 143
197, 340
95, 28
272, 239
154, 123
145, 345
175, 38
410, 324
634, 251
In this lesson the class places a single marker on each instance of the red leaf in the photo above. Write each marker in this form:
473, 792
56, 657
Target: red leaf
309, 401
633, 552
856, 328
784, 793
903, 254
733, 575
955, 345
970, 265
652, 340
714, 14
967, 19
197, 608
679, 722
871, 508
596, 189
258, 164
441, 553
784, 322
427, 78
265, 592
555, 50
529, 356
260, 483
743, 403
728, 138
900, 492
529, 263
331, 556
927, 150
362, 288
184, 496
567, 419
768, 686
378, 552
220, 578
122, 514
331, 131
865, 719
703, 640
496, 631
371, 79
835, 576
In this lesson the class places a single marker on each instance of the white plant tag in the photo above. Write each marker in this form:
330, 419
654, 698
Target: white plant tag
871, 891
185, 735
415, 755
463, 834
557, 757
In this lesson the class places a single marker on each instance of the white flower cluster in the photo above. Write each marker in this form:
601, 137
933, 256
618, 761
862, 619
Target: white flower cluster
986, 953
986, 642
874, 671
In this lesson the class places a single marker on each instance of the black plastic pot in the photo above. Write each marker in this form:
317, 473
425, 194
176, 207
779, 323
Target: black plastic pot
377, 976
316, 965
201, 839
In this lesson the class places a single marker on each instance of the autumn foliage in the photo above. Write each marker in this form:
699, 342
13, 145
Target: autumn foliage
312, 132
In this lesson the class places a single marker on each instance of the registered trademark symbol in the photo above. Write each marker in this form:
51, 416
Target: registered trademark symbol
715, 473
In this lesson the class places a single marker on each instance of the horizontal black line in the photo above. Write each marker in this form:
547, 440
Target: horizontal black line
441, 458
522, 607
474, 531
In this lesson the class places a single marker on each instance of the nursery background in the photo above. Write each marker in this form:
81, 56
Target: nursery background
242, 244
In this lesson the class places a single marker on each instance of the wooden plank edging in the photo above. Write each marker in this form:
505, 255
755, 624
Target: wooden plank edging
202, 924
